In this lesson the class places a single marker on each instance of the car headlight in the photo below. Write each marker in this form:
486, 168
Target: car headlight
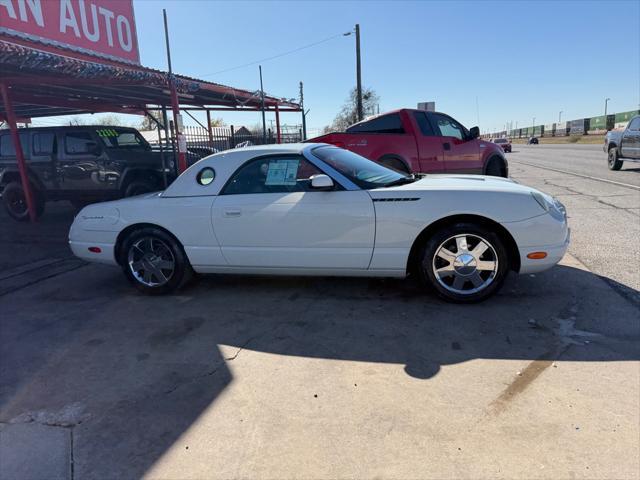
538, 197
558, 210
551, 205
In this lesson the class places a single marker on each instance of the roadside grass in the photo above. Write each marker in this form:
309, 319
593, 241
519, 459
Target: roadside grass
583, 139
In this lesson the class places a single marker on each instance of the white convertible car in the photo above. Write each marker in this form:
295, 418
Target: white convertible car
315, 209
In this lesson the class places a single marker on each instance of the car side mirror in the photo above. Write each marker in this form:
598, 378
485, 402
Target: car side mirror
321, 182
474, 133
94, 149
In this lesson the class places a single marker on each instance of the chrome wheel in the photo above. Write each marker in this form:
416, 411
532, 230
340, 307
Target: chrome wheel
465, 264
151, 261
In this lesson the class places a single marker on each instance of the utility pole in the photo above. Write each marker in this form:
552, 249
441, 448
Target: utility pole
264, 123
304, 116
559, 116
358, 75
605, 107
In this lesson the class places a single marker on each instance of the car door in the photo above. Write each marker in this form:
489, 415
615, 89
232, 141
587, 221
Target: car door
80, 161
630, 143
268, 216
461, 155
44, 146
430, 149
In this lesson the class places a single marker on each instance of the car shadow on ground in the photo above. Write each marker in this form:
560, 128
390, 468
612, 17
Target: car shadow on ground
130, 374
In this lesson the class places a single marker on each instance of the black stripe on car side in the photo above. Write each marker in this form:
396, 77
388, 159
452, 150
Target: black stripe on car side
396, 199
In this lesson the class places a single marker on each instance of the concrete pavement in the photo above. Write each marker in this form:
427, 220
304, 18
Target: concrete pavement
265, 377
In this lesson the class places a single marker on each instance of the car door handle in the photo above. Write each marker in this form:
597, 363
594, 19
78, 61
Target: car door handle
446, 146
232, 213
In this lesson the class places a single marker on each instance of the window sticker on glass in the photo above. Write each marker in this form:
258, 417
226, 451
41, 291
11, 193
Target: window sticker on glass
282, 172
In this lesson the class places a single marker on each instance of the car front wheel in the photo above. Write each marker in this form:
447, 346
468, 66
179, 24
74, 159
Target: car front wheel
154, 261
464, 263
613, 161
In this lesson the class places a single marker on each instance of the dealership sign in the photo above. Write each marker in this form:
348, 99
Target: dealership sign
104, 28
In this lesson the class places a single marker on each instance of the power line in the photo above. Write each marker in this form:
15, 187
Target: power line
275, 56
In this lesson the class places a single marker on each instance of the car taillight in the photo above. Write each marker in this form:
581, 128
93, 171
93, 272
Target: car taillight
338, 144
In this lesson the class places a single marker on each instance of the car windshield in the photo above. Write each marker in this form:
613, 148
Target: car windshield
501, 140
122, 138
361, 171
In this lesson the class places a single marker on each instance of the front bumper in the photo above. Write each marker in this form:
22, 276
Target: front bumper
554, 255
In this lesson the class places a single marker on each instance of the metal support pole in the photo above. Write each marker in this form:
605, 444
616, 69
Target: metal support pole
358, 75
209, 128
162, 158
22, 166
304, 117
605, 107
264, 123
278, 137
182, 159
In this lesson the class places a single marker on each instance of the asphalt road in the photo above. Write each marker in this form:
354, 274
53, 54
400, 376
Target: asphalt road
604, 217
325, 378
587, 160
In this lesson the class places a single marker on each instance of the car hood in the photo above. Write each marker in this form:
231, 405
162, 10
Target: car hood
460, 182
498, 198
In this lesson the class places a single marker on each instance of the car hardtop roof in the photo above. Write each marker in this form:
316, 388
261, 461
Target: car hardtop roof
274, 148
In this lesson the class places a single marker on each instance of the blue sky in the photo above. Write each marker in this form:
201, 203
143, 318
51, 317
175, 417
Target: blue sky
520, 59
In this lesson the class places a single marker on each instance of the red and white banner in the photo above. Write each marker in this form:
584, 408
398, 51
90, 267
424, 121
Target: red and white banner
103, 27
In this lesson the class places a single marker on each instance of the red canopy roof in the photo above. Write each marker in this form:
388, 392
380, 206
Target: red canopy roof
44, 83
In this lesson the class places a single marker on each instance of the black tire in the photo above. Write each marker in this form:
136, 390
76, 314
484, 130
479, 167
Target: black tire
395, 164
15, 201
492, 280
165, 248
494, 168
613, 161
139, 187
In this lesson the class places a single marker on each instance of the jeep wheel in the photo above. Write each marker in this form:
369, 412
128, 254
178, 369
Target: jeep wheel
138, 187
613, 161
15, 202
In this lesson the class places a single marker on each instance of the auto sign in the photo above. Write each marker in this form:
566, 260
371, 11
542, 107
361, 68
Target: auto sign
105, 28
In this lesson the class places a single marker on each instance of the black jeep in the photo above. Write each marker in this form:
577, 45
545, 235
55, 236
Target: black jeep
82, 164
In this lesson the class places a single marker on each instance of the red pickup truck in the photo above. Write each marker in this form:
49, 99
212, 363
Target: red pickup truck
422, 142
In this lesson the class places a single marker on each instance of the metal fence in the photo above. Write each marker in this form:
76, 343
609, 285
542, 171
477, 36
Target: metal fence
202, 142
225, 138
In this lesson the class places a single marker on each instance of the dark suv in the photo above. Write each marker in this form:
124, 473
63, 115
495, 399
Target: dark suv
82, 164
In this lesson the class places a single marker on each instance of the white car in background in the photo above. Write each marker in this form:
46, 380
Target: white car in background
316, 209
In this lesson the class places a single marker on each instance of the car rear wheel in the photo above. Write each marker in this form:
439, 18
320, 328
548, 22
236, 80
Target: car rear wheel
494, 168
613, 161
395, 164
154, 261
464, 263
15, 201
